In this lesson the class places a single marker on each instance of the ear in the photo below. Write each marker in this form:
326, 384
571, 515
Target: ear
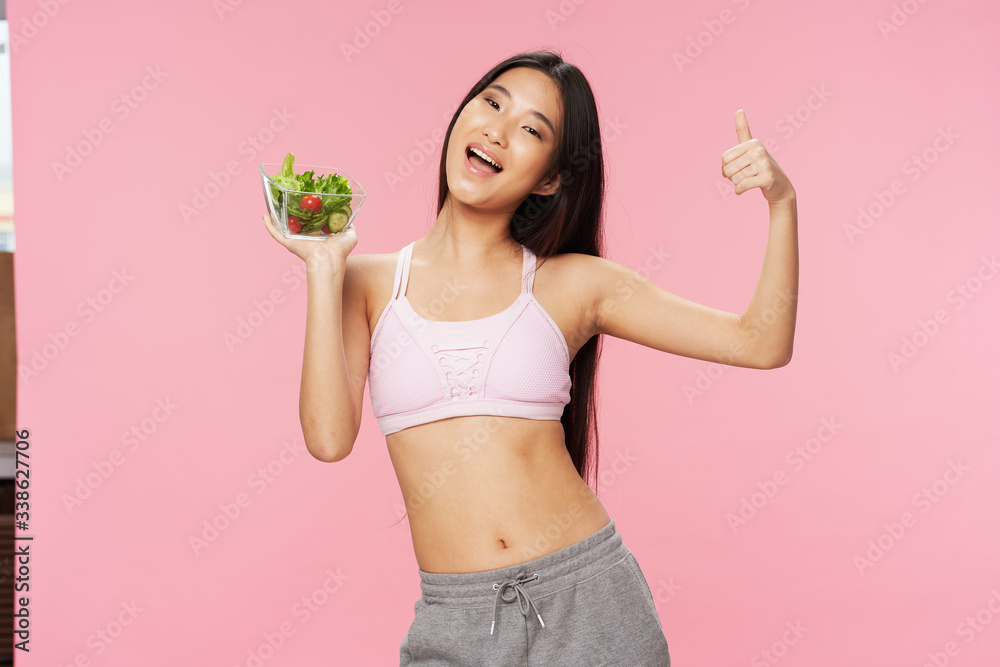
549, 185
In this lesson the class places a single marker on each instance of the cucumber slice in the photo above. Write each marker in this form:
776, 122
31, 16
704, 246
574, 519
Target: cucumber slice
338, 220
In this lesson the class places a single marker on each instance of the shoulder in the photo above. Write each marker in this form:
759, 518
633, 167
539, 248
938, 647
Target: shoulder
570, 263
572, 287
575, 262
600, 274
592, 281
371, 269
580, 273
371, 275
366, 267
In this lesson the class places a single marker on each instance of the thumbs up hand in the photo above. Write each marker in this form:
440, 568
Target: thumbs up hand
748, 165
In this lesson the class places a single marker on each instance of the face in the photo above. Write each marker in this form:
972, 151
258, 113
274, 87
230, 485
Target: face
516, 122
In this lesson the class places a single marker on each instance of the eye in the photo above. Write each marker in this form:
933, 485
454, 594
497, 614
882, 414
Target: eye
492, 103
533, 131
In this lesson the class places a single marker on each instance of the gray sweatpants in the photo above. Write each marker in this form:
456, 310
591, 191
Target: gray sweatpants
587, 604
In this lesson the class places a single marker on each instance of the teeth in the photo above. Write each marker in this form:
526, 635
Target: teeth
485, 157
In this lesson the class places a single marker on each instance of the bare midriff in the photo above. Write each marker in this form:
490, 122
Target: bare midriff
484, 492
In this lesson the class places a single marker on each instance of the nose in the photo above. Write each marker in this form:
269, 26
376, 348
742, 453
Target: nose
494, 133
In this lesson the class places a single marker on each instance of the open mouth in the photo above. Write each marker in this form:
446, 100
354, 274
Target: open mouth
482, 161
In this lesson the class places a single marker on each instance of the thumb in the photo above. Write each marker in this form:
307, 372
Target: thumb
742, 126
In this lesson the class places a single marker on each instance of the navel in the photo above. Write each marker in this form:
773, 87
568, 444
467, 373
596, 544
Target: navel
503, 544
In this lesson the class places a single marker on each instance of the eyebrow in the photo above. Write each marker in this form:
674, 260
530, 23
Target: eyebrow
539, 114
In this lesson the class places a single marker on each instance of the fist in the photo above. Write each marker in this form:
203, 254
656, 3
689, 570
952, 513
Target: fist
748, 165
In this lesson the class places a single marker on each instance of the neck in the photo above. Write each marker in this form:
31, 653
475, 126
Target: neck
463, 234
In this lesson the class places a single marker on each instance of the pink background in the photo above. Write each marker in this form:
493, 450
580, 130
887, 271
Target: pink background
726, 595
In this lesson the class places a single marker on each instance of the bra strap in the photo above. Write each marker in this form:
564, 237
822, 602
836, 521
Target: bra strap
399, 272
528, 270
403, 269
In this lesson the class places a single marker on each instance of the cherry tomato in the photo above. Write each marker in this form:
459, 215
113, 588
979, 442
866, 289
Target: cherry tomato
294, 224
325, 228
311, 204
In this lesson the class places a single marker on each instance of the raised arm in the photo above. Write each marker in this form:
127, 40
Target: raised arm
634, 308
337, 342
335, 359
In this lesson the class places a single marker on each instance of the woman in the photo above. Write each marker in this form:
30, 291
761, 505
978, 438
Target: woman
483, 383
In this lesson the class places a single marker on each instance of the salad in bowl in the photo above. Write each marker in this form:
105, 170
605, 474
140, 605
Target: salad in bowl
304, 205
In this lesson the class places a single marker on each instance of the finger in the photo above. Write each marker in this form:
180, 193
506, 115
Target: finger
749, 183
272, 230
734, 152
736, 164
742, 126
749, 170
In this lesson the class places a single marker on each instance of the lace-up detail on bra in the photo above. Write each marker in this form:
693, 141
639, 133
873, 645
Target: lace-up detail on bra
514, 363
464, 368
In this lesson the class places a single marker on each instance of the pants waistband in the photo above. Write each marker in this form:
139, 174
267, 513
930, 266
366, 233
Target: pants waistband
555, 570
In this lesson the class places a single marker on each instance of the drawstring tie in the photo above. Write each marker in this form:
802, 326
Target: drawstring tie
519, 590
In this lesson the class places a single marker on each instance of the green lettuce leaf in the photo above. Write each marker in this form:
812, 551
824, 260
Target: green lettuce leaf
307, 182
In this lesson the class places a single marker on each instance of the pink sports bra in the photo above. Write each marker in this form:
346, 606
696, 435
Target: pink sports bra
511, 364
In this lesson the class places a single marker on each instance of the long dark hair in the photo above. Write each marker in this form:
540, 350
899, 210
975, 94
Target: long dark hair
568, 220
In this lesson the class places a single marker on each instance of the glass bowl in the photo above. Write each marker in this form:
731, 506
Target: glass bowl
311, 222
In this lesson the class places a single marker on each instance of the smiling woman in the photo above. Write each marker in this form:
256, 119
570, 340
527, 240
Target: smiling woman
508, 174
499, 132
479, 343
